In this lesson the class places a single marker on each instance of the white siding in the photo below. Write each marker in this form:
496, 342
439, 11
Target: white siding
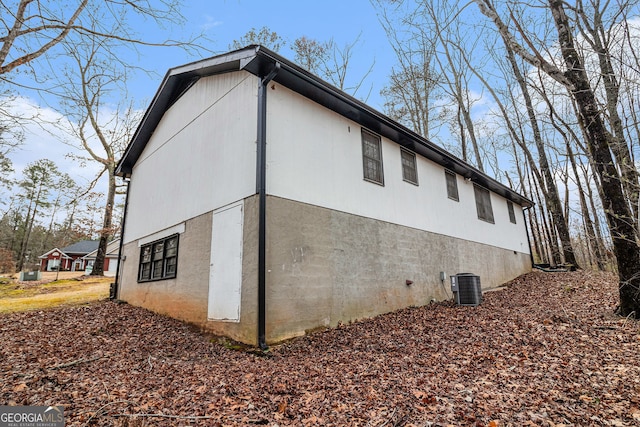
201, 156
314, 156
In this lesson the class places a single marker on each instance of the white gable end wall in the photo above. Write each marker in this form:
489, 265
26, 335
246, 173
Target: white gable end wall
202, 155
315, 156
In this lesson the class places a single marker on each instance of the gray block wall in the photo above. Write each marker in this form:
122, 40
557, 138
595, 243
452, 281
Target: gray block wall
323, 267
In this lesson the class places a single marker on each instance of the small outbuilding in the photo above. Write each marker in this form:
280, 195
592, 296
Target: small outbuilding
264, 202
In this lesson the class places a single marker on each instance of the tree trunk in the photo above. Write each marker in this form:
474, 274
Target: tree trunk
617, 143
618, 214
592, 244
463, 138
25, 238
31, 216
552, 199
106, 232
534, 225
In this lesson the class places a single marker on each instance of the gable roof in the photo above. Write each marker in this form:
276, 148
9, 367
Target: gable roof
260, 61
81, 247
113, 247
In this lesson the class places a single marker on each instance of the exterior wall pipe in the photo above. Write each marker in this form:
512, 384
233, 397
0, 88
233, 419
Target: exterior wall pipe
116, 283
261, 189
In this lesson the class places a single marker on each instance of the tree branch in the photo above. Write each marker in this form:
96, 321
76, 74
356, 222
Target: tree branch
31, 56
535, 58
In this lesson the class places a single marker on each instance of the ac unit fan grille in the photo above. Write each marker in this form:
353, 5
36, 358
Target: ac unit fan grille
469, 289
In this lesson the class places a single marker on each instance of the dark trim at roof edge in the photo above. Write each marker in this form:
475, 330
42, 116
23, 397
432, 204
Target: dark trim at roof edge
258, 60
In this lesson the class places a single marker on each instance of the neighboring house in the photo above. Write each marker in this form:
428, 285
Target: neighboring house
110, 258
69, 258
264, 202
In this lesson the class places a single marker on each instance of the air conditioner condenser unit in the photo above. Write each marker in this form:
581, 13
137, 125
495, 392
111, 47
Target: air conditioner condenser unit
467, 289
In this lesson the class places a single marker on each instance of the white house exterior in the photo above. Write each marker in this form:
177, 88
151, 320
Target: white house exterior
264, 202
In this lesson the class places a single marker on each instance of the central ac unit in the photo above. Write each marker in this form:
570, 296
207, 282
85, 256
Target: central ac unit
469, 291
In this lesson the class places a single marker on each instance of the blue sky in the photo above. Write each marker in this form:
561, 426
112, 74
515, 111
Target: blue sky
341, 20
224, 21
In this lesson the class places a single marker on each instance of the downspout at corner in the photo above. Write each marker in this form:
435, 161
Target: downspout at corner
116, 283
261, 189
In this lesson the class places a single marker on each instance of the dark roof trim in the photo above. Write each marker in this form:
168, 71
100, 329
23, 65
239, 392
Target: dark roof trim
259, 61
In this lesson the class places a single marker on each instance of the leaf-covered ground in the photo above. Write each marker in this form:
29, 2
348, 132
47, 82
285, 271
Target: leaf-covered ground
545, 351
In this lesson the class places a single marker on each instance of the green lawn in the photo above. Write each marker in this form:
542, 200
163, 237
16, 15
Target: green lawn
24, 296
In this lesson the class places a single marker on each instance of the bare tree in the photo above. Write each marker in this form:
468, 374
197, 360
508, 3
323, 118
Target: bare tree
35, 189
602, 40
413, 81
456, 44
264, 36
331, 62
552, 198
32, 32
338, 64
74, 56
100, 133
432, 29
34, 29
39, 24
310, 53
599, 140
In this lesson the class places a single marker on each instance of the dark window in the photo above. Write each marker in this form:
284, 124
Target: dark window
372, 157
452, 185
483, 203
409, 169
145, 263
512, 214
159, 260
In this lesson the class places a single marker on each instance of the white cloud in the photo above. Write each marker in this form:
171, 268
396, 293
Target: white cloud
44, 132
210, 22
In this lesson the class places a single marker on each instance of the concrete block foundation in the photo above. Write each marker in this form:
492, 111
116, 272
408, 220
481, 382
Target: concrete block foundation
323, 267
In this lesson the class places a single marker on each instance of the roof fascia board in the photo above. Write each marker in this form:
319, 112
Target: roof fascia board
258, 60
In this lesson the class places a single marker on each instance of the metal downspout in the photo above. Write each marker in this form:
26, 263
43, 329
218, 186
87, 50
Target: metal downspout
116, 284
261, 189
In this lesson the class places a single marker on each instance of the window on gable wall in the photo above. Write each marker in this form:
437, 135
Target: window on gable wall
452, 185
483, 203
372, 157
409, 169
512, 214
159, 260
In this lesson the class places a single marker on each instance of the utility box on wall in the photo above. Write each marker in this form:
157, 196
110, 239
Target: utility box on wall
467, 289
